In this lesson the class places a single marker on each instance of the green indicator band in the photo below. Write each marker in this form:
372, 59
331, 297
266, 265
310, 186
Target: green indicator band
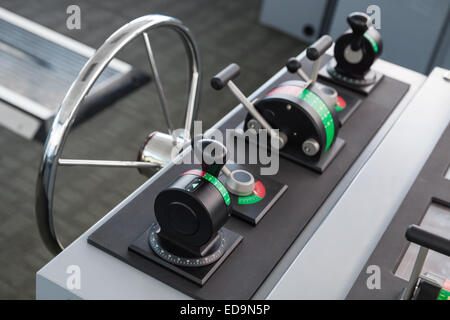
219, 186
444, 295
322, 110
372, 42
251, 199
338, 108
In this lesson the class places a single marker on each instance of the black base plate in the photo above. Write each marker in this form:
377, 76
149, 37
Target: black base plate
324, 161
246, 269
199, 275
352, 104
253, 213
364, 90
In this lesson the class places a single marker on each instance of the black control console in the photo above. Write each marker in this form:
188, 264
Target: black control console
216, 231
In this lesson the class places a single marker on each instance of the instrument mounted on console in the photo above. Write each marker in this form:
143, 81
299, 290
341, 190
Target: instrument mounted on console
188, 236
355, 52
302, 110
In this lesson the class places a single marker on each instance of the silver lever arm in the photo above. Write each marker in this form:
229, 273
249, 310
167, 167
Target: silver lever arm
415, 273
105, 163
251, 108
295, 66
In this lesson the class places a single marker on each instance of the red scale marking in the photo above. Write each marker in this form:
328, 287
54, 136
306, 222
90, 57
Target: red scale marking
341, 102
289, 90
259, 190
446, 285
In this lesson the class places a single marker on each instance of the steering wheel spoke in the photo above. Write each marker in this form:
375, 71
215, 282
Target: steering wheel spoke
105, 163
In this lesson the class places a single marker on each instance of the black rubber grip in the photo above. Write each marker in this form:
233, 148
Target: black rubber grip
428, 240
221, 79
319, 47
293, 65
359, 22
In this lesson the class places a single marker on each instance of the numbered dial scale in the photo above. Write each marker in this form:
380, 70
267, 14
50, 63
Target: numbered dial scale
158, 246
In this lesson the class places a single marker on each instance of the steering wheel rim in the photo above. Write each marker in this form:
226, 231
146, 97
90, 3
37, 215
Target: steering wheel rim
74, 97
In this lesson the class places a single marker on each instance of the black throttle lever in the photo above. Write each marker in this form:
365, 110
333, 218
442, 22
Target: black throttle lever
220, 80
427, 241
359, 22
318, 48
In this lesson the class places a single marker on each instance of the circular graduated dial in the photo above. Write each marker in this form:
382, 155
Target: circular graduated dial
157, 246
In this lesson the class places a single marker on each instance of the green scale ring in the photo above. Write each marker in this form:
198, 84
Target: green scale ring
322, 110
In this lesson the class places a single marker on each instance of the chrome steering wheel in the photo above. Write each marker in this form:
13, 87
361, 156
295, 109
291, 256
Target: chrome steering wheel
74, 98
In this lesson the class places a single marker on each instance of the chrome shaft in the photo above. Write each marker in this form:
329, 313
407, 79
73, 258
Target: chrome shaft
251, 108
417, 269
105, 163
315, 71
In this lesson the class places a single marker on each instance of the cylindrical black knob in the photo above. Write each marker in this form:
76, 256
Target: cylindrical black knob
359, 22
211, 153
191, 210
428, 240
221, 79
319, 47
293, 65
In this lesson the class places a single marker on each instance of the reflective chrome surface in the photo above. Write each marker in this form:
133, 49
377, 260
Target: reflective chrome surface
75, 96
158, 150
105, 163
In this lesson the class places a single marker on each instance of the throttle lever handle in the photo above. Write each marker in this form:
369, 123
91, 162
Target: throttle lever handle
428, 240
293, 65
318, 48
315, 53
220, 80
